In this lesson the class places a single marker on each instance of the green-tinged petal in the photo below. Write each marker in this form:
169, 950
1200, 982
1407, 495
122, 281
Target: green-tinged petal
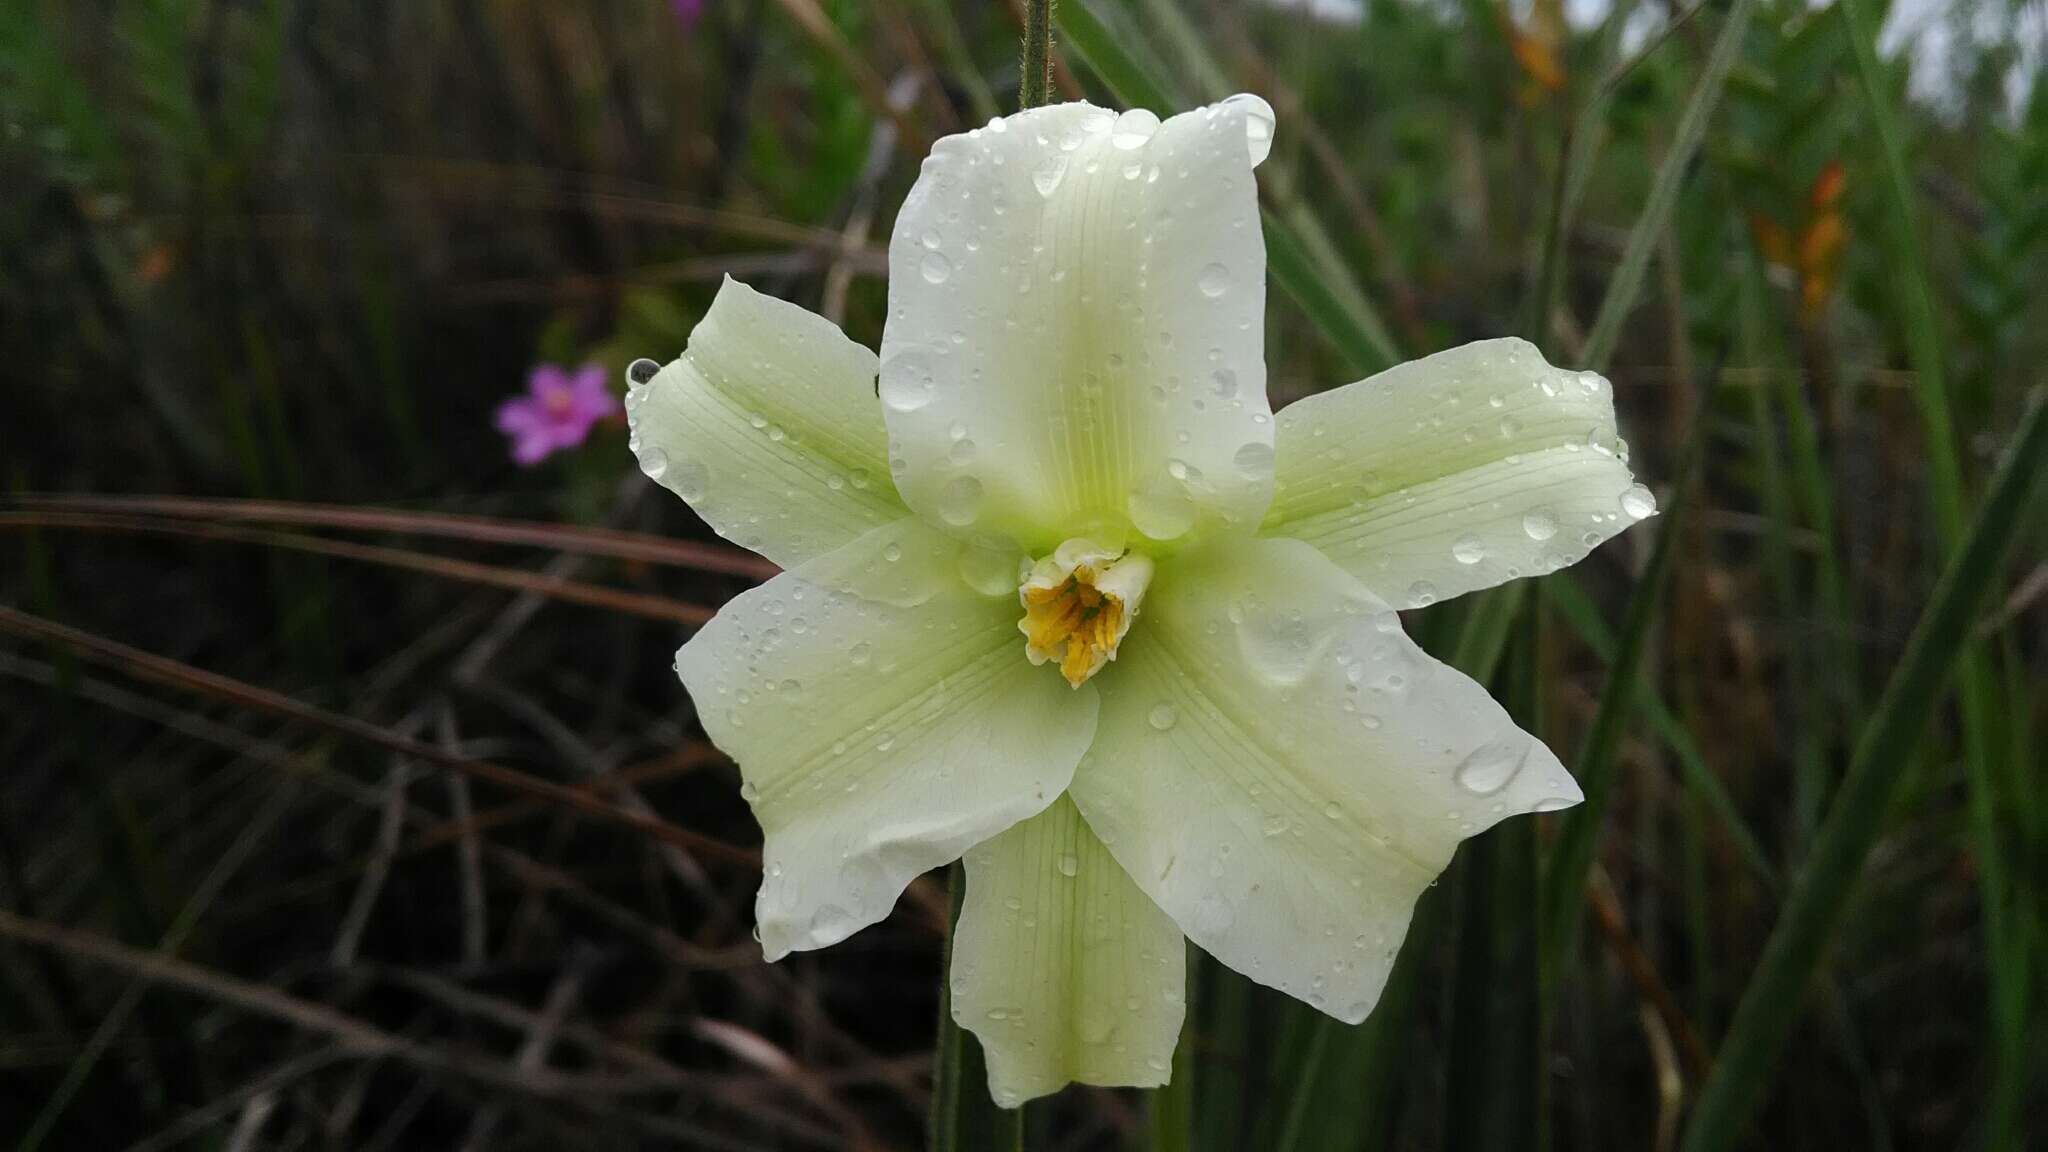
1075, 340
884, 720
1061, 966
1283, 771
1455, 472
769, 427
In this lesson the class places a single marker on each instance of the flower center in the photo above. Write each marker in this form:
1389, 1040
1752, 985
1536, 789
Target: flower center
1078, 603
558, 402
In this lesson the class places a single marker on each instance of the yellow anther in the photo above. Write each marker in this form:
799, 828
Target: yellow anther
1078, 603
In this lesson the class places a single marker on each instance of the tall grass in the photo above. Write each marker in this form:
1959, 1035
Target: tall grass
350, 802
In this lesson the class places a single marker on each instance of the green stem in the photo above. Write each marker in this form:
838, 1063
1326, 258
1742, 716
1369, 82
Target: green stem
1034, 83
963, 1117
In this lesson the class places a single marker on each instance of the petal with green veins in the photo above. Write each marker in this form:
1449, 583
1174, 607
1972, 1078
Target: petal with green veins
1283, 771
768, 425
1455, 472
1061, 966
1075, 339
884, 721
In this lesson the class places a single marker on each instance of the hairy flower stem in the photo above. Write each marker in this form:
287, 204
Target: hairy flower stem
1034, 83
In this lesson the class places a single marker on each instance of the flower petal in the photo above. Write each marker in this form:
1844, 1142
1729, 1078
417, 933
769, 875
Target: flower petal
544, 379
884, 720
1062, 967
1284, 771
768, 426
1075, 340
1455, 472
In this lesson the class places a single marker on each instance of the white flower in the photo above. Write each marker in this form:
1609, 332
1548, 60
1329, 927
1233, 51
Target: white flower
1213, 724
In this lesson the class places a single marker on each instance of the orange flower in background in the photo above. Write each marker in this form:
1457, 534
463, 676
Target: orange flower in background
1814, 254
1536, 48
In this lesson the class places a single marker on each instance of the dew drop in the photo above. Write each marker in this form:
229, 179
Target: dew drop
1258, 124
654, 462
1540, 524
1161, 511
907, 381
1214, 281
1162, 716
935, 267
960, 501
962, 451
1421, 594
1069, 864
1468, 549
641, 371
1133, 128
1047, 176
1490, 767
1225, 381
1254, 458
1638, 502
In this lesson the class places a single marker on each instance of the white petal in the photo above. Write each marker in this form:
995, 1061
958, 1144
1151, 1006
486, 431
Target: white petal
1075, 341
1284, 771
1455, 472
1062, 967
884, 720
769, 427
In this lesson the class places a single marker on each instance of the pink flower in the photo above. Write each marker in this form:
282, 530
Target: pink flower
556, 413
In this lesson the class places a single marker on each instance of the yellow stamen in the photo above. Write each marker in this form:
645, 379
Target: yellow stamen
1077, 612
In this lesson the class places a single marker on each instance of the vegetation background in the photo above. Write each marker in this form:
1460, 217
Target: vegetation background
347, 800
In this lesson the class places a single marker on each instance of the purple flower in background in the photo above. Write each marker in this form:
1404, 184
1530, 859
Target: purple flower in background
688, 12
556, 412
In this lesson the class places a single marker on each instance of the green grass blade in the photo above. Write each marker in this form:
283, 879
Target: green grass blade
1976, 687
1671, 171
1171, 1116
1493, 1069
1571, 857
1698, 776
1129, 81
1300, 255
1356, 335
1771, 1005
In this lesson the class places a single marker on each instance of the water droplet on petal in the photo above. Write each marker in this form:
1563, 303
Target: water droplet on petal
1258, 125
1162, 716
1638, 502
1540, 524
1254, 458
1133, 128
641, 371
960, 501
1468, 549
1421, 594
1069, 864
654, 462
1161, 511
1047, 176
1491, 766
935, 267
1214, 281
907, 381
